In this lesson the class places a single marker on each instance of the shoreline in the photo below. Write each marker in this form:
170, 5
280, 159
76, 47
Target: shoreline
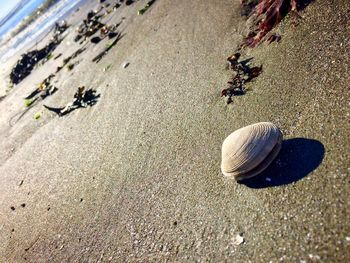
30, 36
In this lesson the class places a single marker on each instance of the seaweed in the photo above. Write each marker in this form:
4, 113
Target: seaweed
242, 74
268, 13
82, 99
108, 47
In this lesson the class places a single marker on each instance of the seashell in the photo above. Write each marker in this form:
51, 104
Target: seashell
248, 151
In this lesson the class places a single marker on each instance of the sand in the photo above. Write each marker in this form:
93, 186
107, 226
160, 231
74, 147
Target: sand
136, 178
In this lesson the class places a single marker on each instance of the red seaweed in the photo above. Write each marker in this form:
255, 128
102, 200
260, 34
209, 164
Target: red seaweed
268, 14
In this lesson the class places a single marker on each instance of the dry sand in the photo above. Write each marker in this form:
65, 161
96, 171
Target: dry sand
136, 178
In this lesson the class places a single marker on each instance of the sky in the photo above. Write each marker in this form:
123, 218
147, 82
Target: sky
6, 6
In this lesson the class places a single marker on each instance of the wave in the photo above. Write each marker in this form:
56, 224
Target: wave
41, 27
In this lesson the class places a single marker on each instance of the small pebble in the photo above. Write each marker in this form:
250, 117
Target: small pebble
13, 208
238, 240
316, 257
23, 205
126, 64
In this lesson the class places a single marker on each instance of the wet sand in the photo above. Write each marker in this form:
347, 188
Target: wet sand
136, 178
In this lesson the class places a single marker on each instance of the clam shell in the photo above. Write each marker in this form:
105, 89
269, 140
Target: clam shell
249, 150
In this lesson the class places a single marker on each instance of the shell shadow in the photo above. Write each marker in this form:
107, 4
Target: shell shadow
298, 158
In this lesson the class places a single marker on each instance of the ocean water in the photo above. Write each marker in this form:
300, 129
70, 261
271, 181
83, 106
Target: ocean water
39, 28
26, 9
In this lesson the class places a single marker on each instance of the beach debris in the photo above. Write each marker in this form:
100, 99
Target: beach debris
26, 63
47, 58
146, 7
89, 26
314, 257
125, 64
60, 27
46, 82
29, 60
249, 150
266, 14
116, 6
105, 31
28, 102
66, 60
233, 60
21, 182
57, 56
95, 40
70, 66
273, 38
48, 91
82, 99
238, 240
107, 67
37, 115
44, 89
243, 74
107, 48
109, 31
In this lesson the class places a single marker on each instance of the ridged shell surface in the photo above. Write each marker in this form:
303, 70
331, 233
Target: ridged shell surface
249, 150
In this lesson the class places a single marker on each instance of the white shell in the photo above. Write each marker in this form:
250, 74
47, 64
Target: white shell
249, 150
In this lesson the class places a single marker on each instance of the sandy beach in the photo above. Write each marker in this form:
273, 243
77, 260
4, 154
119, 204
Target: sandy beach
136, 177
